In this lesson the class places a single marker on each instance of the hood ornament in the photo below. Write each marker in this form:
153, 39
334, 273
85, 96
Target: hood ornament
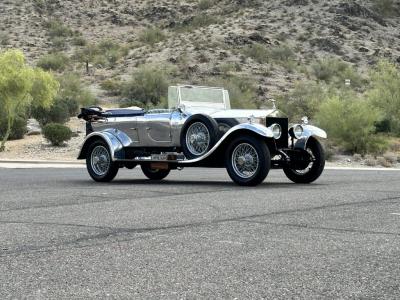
273, 103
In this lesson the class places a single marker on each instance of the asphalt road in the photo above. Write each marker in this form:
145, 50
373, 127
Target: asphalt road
197, 235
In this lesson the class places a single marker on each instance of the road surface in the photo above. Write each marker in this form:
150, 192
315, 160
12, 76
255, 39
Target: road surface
197, 235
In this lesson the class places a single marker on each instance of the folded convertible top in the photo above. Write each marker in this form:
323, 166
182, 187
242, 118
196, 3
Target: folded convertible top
97, 112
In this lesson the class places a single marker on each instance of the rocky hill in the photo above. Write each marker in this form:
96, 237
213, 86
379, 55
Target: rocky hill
270, 42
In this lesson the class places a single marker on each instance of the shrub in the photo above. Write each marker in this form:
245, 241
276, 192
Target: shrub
206, 4
152, 36
202, 20
303, 100
56, 28
350, 122
148, 86
281, 53
383, 162
18, 128
385, 94
257, 52
57, 134
387, 8
112, 86
59, 43
53, 61
242, 92
336, 71
104, 54
71, 90
57, 113
79, 41
4, 39
391, 157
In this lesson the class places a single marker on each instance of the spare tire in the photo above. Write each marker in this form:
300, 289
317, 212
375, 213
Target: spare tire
198, 136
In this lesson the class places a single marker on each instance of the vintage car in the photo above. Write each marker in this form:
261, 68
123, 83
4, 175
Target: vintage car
200, 130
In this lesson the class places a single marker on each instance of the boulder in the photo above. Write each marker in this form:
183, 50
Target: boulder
33, 127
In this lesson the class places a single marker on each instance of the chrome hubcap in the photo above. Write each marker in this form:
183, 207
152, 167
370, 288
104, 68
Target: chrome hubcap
100, 160
245, 160
197, 138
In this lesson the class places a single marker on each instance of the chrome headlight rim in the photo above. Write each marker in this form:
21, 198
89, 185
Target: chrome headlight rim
276, 130
298, 131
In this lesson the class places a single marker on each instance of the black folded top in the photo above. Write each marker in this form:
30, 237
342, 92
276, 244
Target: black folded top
91, 113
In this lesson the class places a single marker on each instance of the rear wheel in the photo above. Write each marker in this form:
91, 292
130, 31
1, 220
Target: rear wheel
99, 163
154, 174
314, 169
248, 161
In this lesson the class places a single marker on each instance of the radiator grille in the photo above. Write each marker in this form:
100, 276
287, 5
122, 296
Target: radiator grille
283, 141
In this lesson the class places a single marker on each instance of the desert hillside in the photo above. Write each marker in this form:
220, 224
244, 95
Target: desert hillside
204, 39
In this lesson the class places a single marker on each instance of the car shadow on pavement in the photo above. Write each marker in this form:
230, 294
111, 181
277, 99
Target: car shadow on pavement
187, 183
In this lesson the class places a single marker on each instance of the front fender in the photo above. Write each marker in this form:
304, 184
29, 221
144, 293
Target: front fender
114, 144
250, 128
309, 131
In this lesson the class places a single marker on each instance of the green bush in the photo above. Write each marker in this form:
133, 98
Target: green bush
257, 52
206, 4
79, 41
149, 85
385, 94
151, 36
281, 53
335, 71
387, 8
201, 20
4, 39
71, 90
113, 87
53, 61
303, 100
349, 121
242, 92
56, 28
57, 113
18, 128
57, 134
104, 54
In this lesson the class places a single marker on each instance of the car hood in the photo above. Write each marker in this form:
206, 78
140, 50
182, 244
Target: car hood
237, 113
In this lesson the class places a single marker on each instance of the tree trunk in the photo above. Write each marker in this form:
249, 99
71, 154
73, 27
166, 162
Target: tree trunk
7, 135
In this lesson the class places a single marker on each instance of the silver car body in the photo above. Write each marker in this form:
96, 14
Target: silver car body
162, 128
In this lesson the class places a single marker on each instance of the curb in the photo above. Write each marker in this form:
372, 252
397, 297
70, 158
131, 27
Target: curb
39, 162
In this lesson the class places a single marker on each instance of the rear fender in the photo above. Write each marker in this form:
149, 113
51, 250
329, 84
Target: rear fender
115, 145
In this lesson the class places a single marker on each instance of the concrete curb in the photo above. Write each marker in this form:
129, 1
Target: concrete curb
44, 162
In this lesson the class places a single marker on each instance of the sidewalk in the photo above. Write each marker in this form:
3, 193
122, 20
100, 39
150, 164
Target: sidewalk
29, 164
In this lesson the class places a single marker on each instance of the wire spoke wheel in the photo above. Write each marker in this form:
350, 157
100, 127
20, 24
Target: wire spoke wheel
100, 160
310, 165
245, 160
197, 138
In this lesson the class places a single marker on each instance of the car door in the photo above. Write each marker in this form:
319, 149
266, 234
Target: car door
156, 129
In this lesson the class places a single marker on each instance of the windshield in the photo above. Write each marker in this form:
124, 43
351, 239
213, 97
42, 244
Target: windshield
197, 94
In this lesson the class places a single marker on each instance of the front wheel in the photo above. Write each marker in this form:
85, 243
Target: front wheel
314, 169
248, 160
99, 163
154, 174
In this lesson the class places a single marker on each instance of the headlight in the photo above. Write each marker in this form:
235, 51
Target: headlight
298, 131
276, 130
